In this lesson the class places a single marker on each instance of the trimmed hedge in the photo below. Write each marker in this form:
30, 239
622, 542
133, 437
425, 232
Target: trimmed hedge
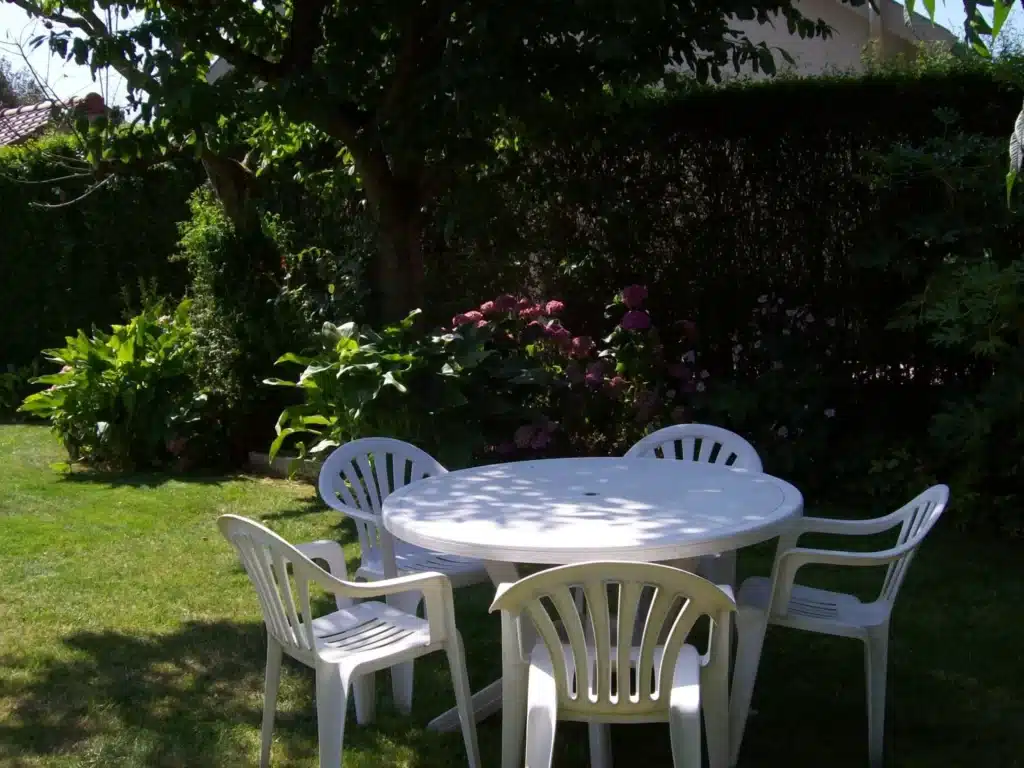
87, 263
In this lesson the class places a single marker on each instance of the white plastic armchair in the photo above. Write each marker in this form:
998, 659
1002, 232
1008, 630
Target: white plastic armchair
346, 646
710, 444
779, 600
623, 659
355, 480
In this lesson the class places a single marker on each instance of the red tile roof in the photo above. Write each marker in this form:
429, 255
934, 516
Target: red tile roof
20, 123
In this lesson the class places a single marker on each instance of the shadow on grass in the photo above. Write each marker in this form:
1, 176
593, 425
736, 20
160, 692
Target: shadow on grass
194, 698
152, 479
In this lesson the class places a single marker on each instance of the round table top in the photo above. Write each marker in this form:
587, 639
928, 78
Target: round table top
558, 511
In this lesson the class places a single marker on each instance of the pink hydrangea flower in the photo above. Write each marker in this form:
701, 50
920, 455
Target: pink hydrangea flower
616, 385
636, 320
554, 308
505, 303
582, 346
633, 296
466, 318
531, 312
524, 436
481, 323
488, 308
559, 335
523, 303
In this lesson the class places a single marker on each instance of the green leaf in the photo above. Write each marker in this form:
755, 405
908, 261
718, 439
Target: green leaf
283, 435
279, 383
1000, 11
390, 380
291, 357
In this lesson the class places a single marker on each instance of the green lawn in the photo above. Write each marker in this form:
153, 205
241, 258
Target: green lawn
129, 636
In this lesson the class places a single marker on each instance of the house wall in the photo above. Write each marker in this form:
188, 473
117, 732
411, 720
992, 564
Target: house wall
852, 28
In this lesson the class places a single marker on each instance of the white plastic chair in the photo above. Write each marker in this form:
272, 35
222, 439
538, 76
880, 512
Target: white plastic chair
580, 669
714, 445
354, 480
347, 645
762, 601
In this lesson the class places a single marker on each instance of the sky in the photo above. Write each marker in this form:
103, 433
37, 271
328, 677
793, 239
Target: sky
69, 80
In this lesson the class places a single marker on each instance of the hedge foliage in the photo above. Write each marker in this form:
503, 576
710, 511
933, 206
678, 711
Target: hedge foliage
82, 264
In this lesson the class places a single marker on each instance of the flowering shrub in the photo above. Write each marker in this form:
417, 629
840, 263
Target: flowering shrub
506, 380
126, 399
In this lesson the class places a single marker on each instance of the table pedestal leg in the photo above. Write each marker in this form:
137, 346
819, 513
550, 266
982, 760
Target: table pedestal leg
507, 694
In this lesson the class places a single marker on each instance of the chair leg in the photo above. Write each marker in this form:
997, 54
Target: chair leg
331, 702
684, 730
876, 661
541, 716
271, 683
714, 696
402, 674
600, 735
750, 629
513, 696
364, 691
464, 700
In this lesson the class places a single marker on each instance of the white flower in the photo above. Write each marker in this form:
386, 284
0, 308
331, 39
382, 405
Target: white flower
704, 374
809, 318
780, 299
700, 386
762, 298
737, 349
757, 344
783, 432
830, 412
690, 357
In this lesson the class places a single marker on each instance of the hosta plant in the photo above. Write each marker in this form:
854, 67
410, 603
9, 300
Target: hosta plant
125, 399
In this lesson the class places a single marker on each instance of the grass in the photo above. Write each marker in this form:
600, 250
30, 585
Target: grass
129, 636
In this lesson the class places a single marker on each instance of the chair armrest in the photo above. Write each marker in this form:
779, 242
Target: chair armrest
804, 525
504, 587
328, 551
792, 560
436, 589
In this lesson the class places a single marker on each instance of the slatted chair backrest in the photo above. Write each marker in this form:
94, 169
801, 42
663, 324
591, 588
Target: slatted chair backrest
282, 576
597, 668
919, 516
698, 442
357, 477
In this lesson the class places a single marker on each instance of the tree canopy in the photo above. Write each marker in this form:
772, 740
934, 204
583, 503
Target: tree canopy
409, 93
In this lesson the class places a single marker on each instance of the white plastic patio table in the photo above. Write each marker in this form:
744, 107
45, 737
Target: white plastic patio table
560, 511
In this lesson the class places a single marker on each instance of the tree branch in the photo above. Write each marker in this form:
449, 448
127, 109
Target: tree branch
81, 197
305, 36
415, 44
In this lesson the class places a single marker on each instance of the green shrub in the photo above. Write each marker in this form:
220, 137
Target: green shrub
244, 312
507, 380
127, 399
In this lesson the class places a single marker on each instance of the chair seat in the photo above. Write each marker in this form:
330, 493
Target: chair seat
370, 628
812, 605
412, 559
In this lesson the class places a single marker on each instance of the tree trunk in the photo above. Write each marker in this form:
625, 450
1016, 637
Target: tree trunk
398, 278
